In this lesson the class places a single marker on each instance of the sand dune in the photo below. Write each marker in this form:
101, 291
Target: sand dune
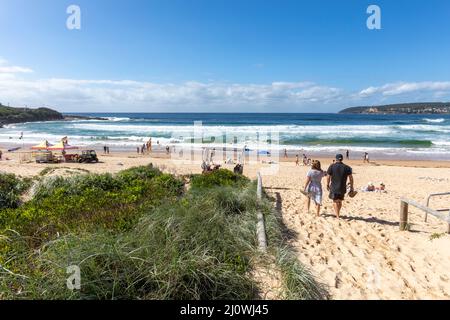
361, 256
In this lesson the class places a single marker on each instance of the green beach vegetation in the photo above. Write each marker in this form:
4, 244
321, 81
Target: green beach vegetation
11, 188
141, 234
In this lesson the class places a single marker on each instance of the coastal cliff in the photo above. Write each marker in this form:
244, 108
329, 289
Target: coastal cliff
405, 108
10, 115
18, 115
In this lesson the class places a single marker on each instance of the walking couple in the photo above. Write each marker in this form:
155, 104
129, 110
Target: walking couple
337, 175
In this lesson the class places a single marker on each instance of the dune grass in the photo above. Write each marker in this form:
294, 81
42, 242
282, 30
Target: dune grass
140, 235
11, 188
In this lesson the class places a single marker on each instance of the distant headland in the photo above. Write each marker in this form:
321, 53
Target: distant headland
404, 108
10, 115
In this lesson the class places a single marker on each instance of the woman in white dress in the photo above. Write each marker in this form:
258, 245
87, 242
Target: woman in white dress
313, 186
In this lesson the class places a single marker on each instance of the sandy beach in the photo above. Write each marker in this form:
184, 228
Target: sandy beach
364, 255
361, 256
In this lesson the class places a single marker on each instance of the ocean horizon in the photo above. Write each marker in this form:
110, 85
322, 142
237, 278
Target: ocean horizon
416, 136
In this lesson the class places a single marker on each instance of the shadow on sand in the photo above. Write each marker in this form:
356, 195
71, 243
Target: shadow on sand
369, 220
288, 234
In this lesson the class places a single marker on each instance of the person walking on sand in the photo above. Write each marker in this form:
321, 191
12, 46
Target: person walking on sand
297, 161
347, 155
313, 186
338, 173
366, 157
285, 153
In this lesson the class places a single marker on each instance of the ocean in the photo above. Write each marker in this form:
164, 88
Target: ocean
387, 136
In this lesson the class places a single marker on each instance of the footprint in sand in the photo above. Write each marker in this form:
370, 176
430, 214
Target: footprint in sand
337, 280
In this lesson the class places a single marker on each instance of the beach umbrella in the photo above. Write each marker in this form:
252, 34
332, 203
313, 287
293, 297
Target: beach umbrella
42, 146
62, 146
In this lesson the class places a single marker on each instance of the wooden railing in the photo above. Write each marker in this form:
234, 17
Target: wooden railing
432, 196
404, 205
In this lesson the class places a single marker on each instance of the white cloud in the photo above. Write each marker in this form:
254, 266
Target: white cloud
6, 68
15, 69
194, 96
127, 95
401, 88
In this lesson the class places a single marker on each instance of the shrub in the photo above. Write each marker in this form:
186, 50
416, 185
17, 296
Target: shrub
75, 185
221, 177
136, 173
93, 201
11, 188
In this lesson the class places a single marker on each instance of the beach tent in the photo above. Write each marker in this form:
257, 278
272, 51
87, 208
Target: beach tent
42, 146
62, 146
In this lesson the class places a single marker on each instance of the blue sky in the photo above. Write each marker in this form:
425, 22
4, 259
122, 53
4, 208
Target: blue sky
217, 55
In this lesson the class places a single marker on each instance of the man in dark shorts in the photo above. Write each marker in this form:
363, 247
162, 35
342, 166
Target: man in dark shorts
337, 176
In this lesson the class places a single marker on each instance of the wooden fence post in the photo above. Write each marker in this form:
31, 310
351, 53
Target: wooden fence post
259, 188
260, 226
403, 216
448, 229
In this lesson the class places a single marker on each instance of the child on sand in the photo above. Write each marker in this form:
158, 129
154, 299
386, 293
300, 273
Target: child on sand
313, 186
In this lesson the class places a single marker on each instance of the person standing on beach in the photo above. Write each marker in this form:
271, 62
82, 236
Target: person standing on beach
285, 153
338, 173
1, 153
313, 186
366, 158
347, 155
297, 161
